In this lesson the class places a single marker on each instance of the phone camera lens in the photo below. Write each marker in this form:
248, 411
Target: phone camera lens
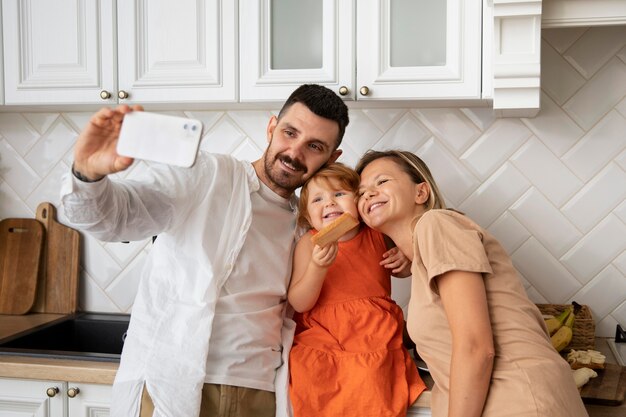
185, 126
193, 128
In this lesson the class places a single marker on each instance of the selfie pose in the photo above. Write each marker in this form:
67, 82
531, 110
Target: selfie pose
347, 358
485, 343
208, 334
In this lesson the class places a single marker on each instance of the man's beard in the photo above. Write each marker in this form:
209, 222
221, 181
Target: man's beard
283, 179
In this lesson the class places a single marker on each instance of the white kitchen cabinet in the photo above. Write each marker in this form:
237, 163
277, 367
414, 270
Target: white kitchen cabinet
36, 398
57, 51
284, 44
365, 50
82, 51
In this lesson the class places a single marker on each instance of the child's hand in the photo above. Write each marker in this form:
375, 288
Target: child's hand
395, 260
325, 256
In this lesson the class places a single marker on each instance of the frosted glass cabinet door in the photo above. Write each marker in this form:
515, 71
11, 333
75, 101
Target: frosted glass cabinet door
285, 43
58, 51
418, 49
177, 51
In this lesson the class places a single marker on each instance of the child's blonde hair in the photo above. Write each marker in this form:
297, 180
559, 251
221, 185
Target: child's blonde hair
336, 176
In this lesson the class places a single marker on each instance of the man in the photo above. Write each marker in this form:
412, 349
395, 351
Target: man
208, 323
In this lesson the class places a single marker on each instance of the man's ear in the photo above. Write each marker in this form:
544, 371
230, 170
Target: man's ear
271, 125
422, 192
333, 156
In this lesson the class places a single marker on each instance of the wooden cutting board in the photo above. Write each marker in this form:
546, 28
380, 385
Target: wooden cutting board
58, 278
21, 246
607, 388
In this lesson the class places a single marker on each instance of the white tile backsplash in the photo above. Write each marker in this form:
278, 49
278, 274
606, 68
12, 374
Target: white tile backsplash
598, 147
609, 186
545, 222
599, 95
550, 188
546, 171
594, 48
596, 250
495, 146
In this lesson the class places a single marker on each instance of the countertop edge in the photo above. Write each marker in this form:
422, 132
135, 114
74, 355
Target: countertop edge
58, 369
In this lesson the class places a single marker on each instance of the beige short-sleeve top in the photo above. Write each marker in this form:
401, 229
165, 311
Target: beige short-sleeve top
529, 378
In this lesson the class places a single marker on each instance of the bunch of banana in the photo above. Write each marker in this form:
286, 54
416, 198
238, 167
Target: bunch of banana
564, 335
555, 323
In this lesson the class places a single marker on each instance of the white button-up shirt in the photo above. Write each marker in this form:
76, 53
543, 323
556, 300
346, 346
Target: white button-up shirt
202, 216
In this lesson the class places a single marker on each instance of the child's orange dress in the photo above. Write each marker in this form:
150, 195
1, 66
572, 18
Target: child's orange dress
347, 357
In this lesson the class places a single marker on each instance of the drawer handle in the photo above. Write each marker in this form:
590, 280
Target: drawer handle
52, 391
72, 392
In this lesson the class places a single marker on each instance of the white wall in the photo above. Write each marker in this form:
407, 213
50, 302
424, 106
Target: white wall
552, 188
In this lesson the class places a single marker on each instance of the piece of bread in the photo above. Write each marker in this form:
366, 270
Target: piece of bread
335, 229
591, 359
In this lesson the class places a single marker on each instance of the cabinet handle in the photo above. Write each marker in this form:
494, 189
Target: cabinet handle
364, 91
72, 392
105, 95
343, 90
122, 94
52, 391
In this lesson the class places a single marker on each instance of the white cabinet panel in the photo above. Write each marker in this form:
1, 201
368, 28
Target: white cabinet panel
85, 51
57, 52
382, 44
92, 400
28, 398
450, 69
182, 50
34, 398
263, 75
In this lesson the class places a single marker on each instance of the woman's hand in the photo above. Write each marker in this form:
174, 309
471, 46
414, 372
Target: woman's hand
395, 260
95, 152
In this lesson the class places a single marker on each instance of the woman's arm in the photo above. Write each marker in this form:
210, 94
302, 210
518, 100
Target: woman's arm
310, 264
465, 302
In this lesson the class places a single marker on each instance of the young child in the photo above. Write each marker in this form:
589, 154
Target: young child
347, 357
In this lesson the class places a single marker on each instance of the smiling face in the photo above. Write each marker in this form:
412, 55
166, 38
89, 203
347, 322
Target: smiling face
327, 199
388, 198
300, 143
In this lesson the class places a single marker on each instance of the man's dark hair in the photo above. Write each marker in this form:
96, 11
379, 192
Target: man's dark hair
323, 102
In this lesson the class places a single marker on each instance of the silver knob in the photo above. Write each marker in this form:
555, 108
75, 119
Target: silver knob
72, 392
364, 91
122, 94
52, 391
105, 95
343, 90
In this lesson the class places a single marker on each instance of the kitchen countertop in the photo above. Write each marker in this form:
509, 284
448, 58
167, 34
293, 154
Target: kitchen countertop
104, 372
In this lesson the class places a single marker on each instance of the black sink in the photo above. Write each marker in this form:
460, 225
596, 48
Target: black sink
86, 336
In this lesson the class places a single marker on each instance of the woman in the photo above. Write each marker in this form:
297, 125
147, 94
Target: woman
484, 341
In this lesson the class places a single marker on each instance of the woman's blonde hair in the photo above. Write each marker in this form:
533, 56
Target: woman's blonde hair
335, 176
411, 164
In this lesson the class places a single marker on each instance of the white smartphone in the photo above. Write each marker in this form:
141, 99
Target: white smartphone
160, 138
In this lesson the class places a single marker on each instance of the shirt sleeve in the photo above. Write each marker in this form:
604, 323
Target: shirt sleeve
128, 210
449, 242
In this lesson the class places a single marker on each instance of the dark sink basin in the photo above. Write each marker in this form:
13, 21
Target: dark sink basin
87, 336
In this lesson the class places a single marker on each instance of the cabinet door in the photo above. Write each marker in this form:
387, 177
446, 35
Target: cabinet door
177, 51
418, 49
57, 51
284, 44
88, 400
28, 398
